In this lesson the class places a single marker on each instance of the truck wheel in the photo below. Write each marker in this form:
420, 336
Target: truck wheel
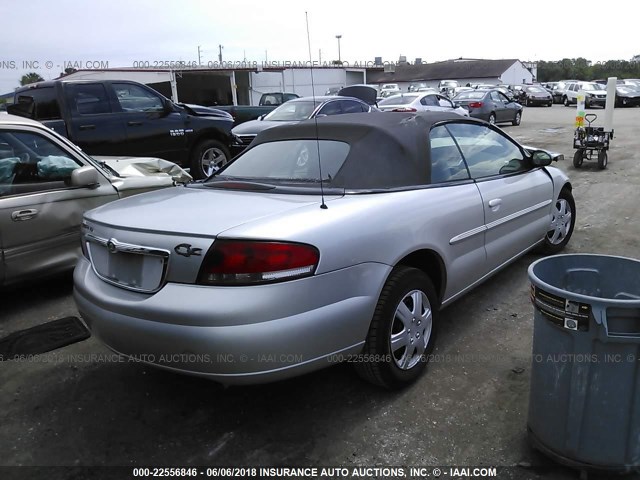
565, 100
207, 157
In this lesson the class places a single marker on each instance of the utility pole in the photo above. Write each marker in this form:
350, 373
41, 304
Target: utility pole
220, 47
339, 58
199, 61
320, 56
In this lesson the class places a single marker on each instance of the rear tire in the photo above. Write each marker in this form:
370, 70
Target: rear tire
603, 159
402, 331
206, 157
578, 158
492, 118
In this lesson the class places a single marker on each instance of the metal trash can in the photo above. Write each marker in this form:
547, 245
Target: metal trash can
584, 402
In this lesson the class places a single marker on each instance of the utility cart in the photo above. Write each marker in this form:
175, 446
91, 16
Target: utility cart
591, 143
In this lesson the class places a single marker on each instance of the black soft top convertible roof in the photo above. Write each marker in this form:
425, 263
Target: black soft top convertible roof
387, 150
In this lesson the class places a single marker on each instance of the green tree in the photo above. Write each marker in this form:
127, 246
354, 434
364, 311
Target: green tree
30, 78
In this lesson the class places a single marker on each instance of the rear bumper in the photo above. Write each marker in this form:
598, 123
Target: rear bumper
539, 101
235, 335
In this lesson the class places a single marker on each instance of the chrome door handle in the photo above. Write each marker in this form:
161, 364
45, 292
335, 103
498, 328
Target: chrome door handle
22, 215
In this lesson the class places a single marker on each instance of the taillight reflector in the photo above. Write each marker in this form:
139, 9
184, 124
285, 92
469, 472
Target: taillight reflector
475, 104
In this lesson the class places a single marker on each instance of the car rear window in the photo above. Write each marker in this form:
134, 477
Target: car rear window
293, 111
398, 100
45, 102
290, 160
470, 95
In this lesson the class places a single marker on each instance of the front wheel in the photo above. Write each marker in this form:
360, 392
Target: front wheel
578, 158
563, 219
603, 159
402, 331
517, 119
565, 100
207, 157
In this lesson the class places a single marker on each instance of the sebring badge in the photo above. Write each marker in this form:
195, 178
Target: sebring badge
187, 250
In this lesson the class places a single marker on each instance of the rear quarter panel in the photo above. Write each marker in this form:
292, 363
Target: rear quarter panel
385, 228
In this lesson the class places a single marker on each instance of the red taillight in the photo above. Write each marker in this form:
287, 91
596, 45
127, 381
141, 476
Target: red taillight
475, 104
404, 109
245, 262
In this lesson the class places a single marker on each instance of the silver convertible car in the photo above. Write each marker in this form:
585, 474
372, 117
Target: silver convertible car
327, 240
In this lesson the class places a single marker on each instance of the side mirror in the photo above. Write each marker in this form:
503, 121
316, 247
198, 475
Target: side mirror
85, 177
261, 117
168, 106
541, 158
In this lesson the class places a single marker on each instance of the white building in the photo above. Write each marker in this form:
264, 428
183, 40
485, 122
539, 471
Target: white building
465, 71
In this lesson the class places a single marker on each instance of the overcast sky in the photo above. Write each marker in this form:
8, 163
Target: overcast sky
122, 32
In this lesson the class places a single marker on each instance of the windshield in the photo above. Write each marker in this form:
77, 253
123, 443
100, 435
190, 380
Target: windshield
398, 100
536, 90
288, 160
292, 111
592, 86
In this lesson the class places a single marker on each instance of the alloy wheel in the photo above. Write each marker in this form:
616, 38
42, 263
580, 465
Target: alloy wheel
411, 329
560, 222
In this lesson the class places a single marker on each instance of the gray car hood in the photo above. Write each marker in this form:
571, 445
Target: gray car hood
197, 211
140, 167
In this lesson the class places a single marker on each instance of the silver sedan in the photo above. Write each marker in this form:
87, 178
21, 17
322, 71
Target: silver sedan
328, 240
422, 101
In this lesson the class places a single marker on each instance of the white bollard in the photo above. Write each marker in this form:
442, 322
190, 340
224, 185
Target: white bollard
611, 102
580, 109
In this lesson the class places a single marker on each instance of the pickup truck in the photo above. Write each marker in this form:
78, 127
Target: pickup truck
118, 117
268, 102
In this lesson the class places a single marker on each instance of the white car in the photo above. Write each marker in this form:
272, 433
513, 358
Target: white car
429, 101
389, 89
594, 94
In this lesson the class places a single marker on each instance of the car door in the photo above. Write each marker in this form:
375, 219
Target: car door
40, 212
499, 106
94, 125
455, 196
445, 105
430, 103
151, 129
516, 198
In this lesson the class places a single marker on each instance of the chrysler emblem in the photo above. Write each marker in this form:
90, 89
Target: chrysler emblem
111, 245
187, 250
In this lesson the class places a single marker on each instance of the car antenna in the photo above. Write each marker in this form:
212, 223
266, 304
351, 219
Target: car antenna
315, 118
